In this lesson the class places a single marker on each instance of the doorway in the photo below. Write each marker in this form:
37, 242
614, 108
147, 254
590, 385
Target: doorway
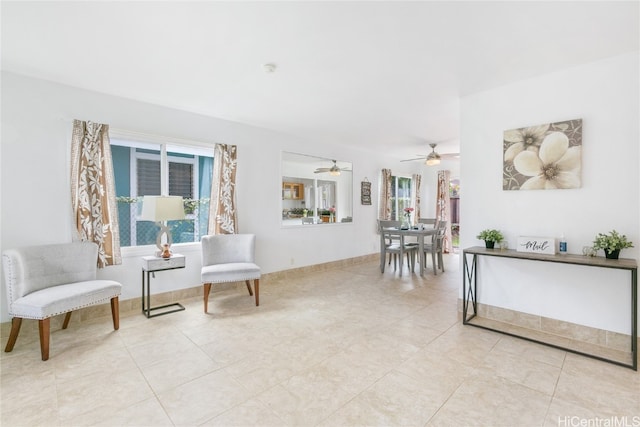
454, 198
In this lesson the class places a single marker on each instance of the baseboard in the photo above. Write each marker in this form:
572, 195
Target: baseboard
133, 306
572, 331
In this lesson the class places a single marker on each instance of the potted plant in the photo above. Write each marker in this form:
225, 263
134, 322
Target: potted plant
611, 243
490, 237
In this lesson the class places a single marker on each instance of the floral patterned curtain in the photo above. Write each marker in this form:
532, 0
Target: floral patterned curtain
442, 207
384, 199
416, 184
223, 217
93, 190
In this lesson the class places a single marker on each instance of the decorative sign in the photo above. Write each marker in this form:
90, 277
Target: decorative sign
365, 192
537, 245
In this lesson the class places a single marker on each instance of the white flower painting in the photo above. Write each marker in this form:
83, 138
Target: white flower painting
544, 157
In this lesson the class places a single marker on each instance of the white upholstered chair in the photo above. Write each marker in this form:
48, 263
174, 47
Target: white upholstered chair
44, 281
229, 258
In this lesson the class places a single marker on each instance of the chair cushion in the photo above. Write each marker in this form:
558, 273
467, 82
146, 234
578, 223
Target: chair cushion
63, 298
33, 268
228, 248
230, 272
406, 248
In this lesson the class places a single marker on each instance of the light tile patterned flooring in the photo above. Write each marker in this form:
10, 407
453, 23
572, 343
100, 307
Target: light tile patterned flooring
345, 347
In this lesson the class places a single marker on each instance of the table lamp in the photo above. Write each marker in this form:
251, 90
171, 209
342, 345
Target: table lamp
161, 209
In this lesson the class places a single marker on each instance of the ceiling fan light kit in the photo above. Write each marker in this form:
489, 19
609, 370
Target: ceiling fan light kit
333, 170
432, 161
433, 158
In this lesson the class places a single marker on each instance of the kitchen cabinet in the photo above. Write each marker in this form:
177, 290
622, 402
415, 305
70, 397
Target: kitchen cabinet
292, 191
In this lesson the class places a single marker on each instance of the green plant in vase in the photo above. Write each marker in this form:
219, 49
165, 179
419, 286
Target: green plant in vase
490, 237
611, 243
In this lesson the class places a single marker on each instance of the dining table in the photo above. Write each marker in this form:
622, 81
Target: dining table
419, 232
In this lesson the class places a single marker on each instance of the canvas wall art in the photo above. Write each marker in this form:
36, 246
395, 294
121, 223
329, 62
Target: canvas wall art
543, 157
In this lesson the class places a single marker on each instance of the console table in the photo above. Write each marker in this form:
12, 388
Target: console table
470, 294
151, 265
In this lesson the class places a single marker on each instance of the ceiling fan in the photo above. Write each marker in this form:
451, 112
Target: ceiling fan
433, 158
333, 170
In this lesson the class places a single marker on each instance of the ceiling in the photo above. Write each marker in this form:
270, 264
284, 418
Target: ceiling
385, 75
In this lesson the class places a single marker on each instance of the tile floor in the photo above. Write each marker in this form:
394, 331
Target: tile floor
346, 347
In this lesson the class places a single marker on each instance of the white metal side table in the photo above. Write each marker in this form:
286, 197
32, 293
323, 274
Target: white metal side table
151, 265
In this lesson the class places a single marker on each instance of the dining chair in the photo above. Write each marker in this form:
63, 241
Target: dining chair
229, 258
436, 247
428, 221
395, 245
389, 240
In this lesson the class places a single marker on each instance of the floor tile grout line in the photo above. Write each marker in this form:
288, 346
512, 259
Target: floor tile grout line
387, 288
153, 391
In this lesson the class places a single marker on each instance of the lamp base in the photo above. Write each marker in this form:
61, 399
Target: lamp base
164, 230
166, 253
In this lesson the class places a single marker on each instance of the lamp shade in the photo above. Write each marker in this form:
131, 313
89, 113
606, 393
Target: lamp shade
162, 208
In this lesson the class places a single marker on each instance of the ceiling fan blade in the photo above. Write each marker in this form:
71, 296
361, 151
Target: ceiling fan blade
417, 158
334, 170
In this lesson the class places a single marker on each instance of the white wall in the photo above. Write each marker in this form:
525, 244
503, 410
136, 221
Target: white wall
35, 195
35, 202
605, 95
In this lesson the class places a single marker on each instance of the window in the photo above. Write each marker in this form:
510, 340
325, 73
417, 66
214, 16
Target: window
150, 169
400, 196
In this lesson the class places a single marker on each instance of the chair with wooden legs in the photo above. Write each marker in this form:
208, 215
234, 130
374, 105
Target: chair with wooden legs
48, 280
229, 258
